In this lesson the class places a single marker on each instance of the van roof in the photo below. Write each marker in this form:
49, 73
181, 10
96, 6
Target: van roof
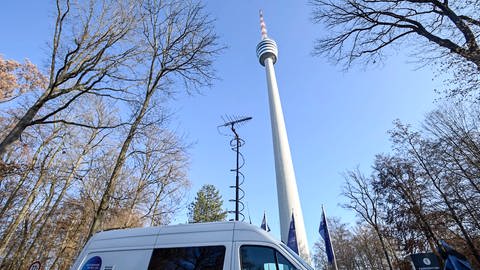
182, 234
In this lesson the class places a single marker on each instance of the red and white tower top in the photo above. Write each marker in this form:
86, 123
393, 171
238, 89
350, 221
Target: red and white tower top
267, 48
263, 26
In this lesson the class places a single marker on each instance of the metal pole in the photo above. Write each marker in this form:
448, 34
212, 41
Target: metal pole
237, 176
235, 146
334, 266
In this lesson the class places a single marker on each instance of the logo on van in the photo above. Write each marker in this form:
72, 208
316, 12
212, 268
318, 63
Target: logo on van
94, 263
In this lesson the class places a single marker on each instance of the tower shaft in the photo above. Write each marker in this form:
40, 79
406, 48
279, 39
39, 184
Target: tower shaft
287, 191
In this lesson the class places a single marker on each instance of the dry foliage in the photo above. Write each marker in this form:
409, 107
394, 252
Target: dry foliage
17, 78
90, 149
426, 190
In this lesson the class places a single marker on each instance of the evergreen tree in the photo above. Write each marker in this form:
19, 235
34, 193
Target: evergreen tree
207, 206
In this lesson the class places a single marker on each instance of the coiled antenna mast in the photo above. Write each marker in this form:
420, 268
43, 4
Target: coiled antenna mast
235, 144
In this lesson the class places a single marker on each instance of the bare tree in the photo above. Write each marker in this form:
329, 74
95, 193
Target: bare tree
89, 54
45, 164
364, 200
161, 180
80, 159
442, 31
34, 206
178, 44
427, 154
355, 249
427, 189
408, 203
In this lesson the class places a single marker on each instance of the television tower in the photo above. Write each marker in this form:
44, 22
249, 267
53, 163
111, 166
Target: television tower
287, 192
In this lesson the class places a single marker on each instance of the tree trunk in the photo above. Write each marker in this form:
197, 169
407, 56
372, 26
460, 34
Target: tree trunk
24, 176
112, 182
384, 248
455, 217
62, 192
22, 124
421, 221
23, 212
433, 178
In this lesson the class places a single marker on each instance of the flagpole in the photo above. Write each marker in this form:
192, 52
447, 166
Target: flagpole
266, 222
328, 232
249, 217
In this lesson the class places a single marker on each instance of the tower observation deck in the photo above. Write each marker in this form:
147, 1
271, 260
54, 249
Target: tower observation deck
287, 192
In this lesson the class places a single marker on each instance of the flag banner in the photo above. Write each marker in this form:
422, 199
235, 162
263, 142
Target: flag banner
292, 236
323, 230
425, 261
455, 263
453, 259
264, 223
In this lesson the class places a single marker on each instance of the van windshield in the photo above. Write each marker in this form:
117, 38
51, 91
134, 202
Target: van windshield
295, 255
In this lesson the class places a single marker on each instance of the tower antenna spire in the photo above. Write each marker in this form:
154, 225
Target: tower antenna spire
263, 26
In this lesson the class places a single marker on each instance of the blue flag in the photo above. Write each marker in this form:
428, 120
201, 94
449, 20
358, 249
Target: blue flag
323, 230
264, 223
292, 237
453, 259
455, 263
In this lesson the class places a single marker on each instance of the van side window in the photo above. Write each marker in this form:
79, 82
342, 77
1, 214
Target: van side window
188, 258
263, 258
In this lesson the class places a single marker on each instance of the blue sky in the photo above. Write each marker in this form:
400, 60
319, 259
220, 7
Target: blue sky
335, 120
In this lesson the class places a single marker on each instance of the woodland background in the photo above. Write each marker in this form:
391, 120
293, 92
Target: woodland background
85, 145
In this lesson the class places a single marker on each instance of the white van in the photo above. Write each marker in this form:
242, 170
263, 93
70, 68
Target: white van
201, 246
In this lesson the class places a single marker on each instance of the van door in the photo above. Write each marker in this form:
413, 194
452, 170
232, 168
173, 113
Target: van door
262, 255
